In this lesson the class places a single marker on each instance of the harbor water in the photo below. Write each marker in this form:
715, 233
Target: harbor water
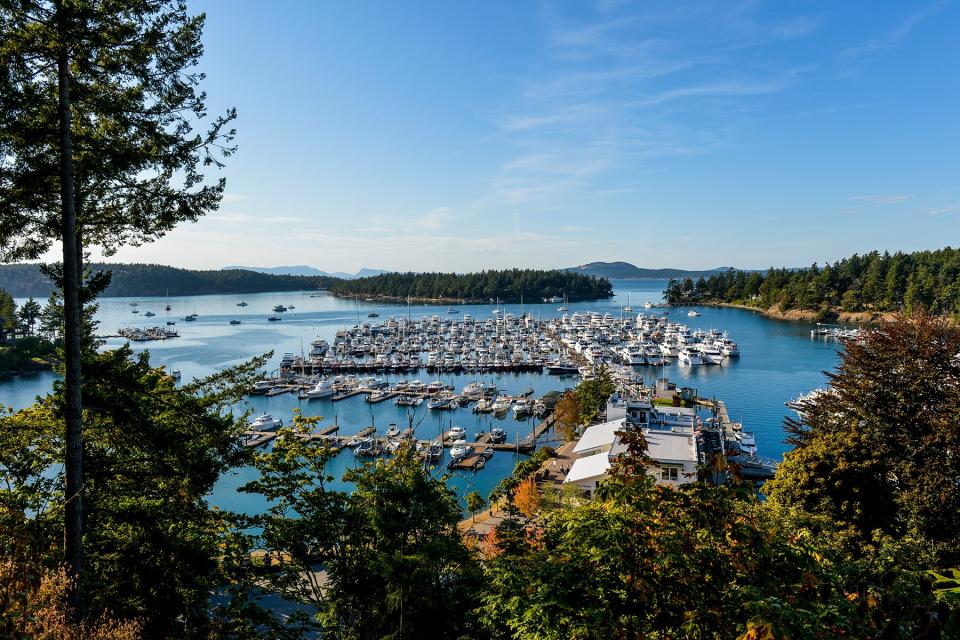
779, 361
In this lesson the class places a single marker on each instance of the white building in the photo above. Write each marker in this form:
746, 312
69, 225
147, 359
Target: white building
673, 454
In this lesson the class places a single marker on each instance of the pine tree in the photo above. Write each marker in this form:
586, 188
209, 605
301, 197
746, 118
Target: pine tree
99, 101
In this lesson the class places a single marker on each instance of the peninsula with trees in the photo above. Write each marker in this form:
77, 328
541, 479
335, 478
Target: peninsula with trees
510, 285
860, 288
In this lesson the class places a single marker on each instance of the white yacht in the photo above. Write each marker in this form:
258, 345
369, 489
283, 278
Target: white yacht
323, 389
748, 443
266, 422
728, 347
693, 313
459, 450
709, 354
457, 432
690, 357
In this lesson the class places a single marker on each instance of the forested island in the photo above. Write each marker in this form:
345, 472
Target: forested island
855, 288
510, 285
25, 280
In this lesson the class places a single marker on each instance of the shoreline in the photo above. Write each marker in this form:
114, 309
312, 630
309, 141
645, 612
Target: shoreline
810, 315
443, 301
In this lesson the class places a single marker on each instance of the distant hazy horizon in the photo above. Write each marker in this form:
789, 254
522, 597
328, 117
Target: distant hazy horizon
464, 136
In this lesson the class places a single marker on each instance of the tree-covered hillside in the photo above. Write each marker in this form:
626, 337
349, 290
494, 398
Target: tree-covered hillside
871, 282
508, 285
23, 280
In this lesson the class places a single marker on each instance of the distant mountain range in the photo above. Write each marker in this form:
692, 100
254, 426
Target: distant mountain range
627, 271
304, 270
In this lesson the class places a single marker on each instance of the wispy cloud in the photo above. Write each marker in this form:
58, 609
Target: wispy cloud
884, 199
574, 229
947, 209
624, 85
895, 36
876, 201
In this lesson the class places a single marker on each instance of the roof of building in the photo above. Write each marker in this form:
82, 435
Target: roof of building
670, 446
588, 467
599, 435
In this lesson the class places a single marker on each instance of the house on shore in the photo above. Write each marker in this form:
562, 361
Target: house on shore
668, 431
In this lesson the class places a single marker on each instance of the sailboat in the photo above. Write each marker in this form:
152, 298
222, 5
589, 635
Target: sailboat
565, 302
628, 308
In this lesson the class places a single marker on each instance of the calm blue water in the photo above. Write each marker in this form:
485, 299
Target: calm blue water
779, 361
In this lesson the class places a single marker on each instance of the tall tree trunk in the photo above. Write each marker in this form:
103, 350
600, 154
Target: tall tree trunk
73, 466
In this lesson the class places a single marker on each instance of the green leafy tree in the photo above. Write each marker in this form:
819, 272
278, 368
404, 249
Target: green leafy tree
8, 316
99, 103
475, 504
155, 548
28, 315
391, 553
872, 455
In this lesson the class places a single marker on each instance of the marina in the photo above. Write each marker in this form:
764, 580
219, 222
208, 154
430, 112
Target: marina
778, 362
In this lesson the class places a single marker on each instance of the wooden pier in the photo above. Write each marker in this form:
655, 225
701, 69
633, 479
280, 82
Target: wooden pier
258, 438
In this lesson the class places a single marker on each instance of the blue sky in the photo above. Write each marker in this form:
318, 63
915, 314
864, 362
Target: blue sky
468, 135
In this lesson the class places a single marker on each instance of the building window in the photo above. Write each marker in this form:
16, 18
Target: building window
670, 473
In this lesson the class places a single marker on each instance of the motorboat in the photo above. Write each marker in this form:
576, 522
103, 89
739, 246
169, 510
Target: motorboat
279, 308
747, 442
561, 368
457, 432
690, 357
149, 314
459, 450
234, 321
241, 304
442, 402
323, 389
498, 435
522, 408
274, 318
487, 453
693, 313
502, 403
175, 374
393, 431
354, 442
266, 422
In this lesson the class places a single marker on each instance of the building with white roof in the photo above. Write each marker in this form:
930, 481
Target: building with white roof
673, 454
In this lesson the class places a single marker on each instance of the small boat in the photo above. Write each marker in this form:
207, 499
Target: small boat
266, 422
191, 317
234, 321
279, 308
498, 435
241, 304
480, 463
167, 308
436, 450
693, 313
135, 311
452, 311
274, 318
373, 314
134, 304
487, 453
323, 389
171, 322
149, 314
459, 450
393, 431
354, 442
457, 432
175, 374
